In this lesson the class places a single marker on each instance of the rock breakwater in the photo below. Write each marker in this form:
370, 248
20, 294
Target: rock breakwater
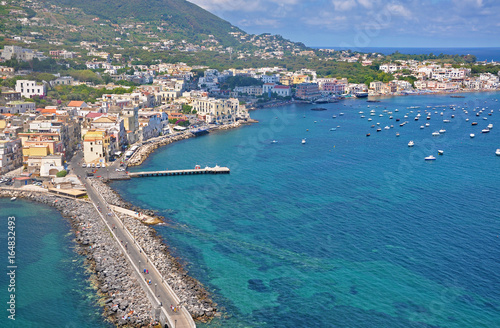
191, 292
117, 285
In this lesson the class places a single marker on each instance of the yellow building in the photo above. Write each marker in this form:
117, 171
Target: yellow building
95, 146
298, 79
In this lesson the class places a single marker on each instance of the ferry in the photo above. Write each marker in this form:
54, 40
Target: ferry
361, 94
199, 131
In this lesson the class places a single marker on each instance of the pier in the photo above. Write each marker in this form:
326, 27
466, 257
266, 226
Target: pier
197, 170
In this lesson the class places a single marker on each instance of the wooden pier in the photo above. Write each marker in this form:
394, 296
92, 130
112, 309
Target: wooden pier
206, 170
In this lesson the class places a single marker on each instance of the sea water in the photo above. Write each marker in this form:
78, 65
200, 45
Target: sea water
51, 287
345, 230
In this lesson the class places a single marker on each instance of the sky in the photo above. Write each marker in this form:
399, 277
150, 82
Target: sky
367, 23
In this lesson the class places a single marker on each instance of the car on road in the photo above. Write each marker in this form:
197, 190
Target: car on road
84, 165
98, 165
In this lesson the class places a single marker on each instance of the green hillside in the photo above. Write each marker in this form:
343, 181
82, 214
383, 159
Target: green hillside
178, 17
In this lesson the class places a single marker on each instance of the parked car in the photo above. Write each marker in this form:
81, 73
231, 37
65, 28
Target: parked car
84, 165
98, 165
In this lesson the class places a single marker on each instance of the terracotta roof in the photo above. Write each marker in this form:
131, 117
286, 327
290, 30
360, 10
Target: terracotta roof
48, 111
93, 115
75, 103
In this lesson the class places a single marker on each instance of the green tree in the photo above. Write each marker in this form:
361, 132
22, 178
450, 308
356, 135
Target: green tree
61, 174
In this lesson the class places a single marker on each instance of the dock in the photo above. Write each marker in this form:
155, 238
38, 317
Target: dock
206, 170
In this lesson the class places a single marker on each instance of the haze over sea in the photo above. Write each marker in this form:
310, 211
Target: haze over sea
345, 230
486, 53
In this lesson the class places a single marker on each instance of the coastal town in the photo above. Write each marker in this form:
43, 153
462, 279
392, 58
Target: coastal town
86, 97
169, 99
55, 150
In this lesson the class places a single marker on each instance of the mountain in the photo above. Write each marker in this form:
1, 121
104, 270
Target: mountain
178, 17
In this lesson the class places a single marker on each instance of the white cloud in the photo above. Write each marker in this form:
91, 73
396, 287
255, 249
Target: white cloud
398, 9
344, 5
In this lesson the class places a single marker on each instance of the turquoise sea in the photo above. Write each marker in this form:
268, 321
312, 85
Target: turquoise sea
52, 287
345, 230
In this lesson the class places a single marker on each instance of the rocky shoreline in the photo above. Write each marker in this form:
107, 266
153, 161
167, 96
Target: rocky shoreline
117, 285
191, 292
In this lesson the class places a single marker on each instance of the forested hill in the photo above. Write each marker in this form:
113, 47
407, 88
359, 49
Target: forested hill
177, 17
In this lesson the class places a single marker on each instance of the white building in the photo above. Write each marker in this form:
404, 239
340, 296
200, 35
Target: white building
30, 88
216, 110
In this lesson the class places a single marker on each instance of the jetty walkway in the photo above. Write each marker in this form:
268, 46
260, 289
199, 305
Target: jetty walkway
158, 291
206, 170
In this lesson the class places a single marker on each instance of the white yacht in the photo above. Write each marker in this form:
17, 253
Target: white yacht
303, 141
411, 143
430, 158
498, 152
435, 133
472, 135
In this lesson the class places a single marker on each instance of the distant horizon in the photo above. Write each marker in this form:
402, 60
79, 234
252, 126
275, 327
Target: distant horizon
481, 53
349, 23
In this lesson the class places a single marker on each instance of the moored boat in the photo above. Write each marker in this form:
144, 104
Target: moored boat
430, 158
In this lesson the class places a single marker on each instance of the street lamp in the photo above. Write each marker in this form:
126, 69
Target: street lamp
155, 287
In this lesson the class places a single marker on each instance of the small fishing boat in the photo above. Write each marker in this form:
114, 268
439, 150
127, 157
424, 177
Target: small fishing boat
472, 135
411, 143
303, 141
440, 152
430, 158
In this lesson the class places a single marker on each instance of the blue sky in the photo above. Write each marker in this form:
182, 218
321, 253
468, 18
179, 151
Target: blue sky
367, 23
